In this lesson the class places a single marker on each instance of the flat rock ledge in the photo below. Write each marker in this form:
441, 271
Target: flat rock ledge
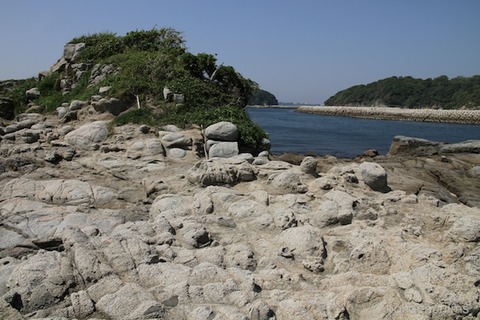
386, 113
134, 223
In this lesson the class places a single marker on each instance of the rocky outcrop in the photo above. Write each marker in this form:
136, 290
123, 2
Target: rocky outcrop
472, 146
71, 51
115, 224
222, 131
222, 140
402, 145
32, 94
72, 70
408, 146
88, 136
374, 176
221, 172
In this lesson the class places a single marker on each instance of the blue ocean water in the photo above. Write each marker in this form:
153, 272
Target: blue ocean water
296, 132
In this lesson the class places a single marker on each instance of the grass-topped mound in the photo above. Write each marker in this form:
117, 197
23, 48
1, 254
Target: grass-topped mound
151, 71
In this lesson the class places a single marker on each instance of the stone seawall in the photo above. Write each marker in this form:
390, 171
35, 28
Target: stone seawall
385, 113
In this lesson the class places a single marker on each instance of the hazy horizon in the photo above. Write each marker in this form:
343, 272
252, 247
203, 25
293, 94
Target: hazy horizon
302, 52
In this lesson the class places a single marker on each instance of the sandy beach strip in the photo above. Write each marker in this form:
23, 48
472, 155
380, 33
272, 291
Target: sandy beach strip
386, 113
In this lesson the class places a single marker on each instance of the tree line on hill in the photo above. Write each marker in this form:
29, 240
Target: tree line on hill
440, 92
262, 98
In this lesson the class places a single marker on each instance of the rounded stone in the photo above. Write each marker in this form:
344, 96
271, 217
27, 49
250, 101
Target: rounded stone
222, 131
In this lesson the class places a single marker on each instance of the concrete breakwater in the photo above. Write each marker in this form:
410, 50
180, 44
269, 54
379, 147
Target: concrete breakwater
386, 113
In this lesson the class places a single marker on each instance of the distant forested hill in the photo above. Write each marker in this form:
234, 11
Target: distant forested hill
262, 98
409, 92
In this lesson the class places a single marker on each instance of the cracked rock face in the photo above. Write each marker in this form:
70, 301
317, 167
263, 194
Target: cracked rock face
118, 226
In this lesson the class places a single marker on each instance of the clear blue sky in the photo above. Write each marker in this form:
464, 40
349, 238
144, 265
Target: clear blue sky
301, 51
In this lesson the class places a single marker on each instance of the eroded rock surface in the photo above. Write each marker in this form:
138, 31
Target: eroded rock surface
128, 224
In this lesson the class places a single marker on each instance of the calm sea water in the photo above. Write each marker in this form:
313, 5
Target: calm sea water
296, 132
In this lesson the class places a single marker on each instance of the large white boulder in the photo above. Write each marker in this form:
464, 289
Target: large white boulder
88, 135
222, 131
374, 176
223, 150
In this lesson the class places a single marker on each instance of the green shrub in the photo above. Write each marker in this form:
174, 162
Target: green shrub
141, 73
99, 46
50, 95
17, 93
165, 40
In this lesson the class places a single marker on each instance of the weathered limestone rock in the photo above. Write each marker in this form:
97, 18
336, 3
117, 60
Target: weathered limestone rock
177, 153
303, 242
126, 230
171, 128
34, 117
170, 206
23, 124
146, 147
465, 223
221, 141
100, 72
338, 209
309, 166
7, 311
88, 135
72, 51
222, 131
220, 172
131, 302
30, 136
195, 235
40, 282
68, 192
61, 112
261, 311
472, 146
219, 149
374, 176
77, 104
82, 305
32, 94
288, 182
176, 140
240, 256
402, 145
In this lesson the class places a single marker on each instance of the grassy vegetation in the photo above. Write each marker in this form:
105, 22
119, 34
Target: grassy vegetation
17, 93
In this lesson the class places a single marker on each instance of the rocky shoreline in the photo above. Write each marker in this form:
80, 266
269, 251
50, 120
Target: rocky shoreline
385, 113
135, 223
